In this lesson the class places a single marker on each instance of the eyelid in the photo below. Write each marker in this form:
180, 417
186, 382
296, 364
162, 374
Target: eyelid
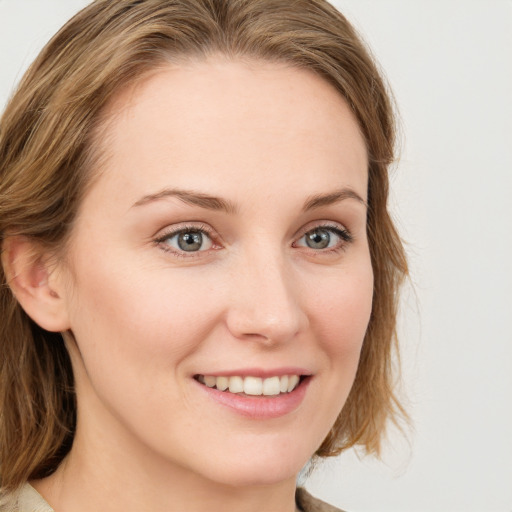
183, 227
323, 224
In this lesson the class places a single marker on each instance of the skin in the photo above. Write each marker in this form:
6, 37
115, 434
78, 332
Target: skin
146, 317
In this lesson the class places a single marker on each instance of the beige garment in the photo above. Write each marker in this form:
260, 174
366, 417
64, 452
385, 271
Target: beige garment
26, 500
308, 503
29, 500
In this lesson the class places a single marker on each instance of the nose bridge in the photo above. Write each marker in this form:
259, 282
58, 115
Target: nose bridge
265, 302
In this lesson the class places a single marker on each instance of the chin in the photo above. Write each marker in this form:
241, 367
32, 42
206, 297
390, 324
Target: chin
255, 475
256, 466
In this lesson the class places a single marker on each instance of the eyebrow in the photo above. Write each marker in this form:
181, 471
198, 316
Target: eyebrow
216, 203
320, 200
190, 197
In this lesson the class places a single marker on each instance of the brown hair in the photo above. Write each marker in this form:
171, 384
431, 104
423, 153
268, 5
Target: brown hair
47, 136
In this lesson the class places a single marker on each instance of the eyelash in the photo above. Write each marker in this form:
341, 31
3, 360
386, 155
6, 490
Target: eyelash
342, 233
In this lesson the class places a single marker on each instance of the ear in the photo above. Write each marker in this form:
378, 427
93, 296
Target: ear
38, 288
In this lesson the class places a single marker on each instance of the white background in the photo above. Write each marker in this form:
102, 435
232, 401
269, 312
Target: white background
450, 65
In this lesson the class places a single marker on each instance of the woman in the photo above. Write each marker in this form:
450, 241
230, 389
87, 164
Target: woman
199, 272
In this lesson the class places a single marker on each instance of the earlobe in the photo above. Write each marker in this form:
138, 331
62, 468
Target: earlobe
36, 286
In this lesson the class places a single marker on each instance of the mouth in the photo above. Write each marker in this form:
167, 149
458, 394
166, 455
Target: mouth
252, 386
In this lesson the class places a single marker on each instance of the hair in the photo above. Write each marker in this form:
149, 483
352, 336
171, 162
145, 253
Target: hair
48, 140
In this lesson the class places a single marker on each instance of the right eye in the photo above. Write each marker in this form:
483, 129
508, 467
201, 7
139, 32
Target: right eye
188, 240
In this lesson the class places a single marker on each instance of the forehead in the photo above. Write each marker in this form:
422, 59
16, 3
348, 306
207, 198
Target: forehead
233, 121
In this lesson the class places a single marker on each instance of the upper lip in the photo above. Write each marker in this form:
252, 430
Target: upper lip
259, 372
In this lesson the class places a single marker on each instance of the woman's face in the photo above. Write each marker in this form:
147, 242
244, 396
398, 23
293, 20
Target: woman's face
223, 244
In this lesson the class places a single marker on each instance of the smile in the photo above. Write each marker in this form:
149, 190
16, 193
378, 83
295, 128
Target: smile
252, 386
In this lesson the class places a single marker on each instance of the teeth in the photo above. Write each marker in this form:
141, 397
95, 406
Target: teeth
271, 386
254, 386
293, 380
236, 384
222, 383
210, 381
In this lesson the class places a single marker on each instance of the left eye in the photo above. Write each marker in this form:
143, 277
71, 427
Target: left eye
323, 238
189, 241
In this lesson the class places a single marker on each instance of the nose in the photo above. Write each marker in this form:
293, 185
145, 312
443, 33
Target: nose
265, 303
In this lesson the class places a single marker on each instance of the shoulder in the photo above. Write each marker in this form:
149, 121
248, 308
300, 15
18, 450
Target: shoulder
308, 503
27, 499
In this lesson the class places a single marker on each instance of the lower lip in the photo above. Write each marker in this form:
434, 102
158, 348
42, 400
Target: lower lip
260, 407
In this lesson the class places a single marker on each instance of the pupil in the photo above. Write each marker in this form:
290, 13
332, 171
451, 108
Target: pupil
318, 239
190, 241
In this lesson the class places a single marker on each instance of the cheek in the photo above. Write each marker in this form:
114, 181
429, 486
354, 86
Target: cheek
342, 312
135, 336
339, 318
146, 319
